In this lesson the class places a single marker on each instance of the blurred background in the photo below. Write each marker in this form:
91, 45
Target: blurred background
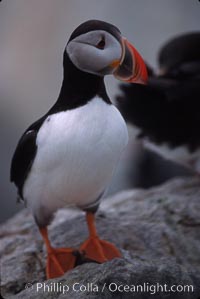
33, 35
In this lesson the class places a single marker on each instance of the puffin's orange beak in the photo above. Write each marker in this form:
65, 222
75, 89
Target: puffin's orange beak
131, 68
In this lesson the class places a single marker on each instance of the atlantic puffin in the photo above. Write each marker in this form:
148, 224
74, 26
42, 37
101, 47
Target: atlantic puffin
68, 156
165, 111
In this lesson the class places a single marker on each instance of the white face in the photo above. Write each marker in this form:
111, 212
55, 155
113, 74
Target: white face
94, 51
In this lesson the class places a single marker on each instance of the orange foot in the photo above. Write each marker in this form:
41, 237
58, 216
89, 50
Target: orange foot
99, 250
96, 249
59, 260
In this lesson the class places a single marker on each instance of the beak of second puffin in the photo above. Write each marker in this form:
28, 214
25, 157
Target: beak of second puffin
131, 67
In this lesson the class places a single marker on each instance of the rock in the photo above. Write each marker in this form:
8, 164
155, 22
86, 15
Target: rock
115, 279
158, 231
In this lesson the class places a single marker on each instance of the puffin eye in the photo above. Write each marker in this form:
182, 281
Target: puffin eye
101, 43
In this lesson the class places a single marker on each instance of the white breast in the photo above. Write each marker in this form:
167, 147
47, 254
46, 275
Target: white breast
77, 153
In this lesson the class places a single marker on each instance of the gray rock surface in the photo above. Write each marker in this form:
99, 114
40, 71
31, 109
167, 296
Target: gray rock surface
158, 231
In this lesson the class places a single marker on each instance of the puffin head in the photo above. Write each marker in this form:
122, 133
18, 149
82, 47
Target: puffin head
98, 48
180, 55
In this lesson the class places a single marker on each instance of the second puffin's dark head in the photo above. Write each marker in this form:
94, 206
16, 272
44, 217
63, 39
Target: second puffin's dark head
98, 48
179, 50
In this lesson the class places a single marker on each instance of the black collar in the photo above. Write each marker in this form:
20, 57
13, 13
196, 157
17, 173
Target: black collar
78, 88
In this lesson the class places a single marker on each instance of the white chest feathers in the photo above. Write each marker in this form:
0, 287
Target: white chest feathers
77, 153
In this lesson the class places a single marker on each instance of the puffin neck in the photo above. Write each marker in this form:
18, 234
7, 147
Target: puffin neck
79, 87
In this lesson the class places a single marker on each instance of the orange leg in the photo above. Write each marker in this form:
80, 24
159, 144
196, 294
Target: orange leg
59, 260
96, 249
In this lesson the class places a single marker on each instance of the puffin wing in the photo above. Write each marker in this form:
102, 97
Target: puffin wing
24, 156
